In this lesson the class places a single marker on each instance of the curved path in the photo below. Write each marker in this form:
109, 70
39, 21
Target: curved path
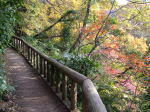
33, 95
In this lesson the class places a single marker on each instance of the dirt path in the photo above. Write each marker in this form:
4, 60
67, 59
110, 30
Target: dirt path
33, 95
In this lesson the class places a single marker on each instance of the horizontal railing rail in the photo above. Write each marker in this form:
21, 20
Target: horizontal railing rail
64, 81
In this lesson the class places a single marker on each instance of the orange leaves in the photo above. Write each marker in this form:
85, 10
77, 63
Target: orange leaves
101, 25
115, 51
137, 63
113, 27
112, 71
147, 58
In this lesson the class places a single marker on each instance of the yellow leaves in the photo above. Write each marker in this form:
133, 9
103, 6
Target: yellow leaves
40, 14
76, 4
139, 44
57, 40
35, 19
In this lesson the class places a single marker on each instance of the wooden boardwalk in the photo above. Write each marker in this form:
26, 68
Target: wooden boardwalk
33, 95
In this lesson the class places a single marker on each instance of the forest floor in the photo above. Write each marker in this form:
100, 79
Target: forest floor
8, 104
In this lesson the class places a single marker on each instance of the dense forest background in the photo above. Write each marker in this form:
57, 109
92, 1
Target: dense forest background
101, 39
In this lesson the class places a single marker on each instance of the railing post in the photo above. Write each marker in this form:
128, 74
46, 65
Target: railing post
17, 44
48, 72
31, 55
23, 46
20, 46
73, 96
57, 78
41, 65
37, 61
44, 66
64, 87
84, 104
34, 59
13, 42
52, 75
28, 57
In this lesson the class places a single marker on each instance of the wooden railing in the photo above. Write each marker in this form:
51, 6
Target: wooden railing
57, 76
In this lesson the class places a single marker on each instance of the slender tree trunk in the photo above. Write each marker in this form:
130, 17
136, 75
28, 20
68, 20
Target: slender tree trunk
78, 40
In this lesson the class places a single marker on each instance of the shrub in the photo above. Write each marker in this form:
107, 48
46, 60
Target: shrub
4, 86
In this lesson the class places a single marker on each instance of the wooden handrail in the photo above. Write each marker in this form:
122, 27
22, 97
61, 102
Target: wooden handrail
60, 78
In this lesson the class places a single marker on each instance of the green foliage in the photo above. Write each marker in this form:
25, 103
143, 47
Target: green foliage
6, 26
7, 23
66, 35
112, 21
40, 15
4, 86
113, 97
7, 20
145, 102
81, 64
116, 32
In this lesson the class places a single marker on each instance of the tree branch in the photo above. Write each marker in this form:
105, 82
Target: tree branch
100, 29
59, 20
84, 25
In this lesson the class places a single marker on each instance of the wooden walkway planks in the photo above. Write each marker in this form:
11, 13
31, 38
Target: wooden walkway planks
33, 95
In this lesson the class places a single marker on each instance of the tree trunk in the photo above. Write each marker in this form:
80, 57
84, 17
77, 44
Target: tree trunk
78, 40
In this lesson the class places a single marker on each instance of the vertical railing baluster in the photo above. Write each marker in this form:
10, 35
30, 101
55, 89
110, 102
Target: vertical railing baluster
16, 44
31, 56
52, 75
34, 59
44, 66
41, 66
20, 47
84, 104
48, 72
28, 50
23, 49
57, 78
73, 96
13, 42
64, 88
37, 61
